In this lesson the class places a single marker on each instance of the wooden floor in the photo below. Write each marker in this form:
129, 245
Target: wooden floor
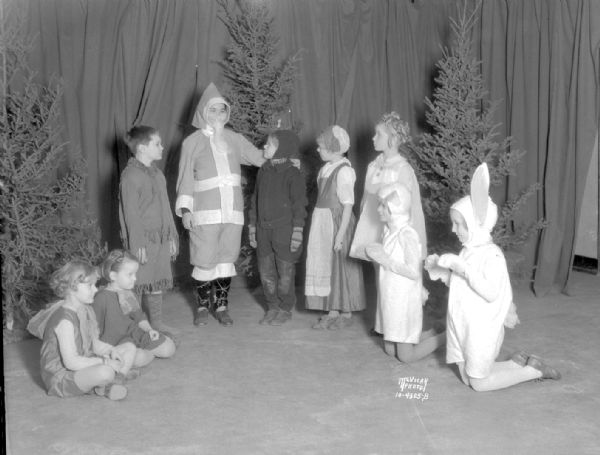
250, 389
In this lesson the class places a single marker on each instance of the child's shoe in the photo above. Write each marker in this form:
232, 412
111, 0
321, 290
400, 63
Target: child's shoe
111, 391
121, 379
547, 371
520, 358
341, 322
375, 333
281, 318
268, 317
223, 318
323, 322
201, 316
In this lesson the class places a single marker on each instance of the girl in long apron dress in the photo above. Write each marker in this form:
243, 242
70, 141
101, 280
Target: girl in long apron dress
334, 281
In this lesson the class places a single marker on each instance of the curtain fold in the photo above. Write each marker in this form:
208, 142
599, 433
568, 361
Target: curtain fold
126, 62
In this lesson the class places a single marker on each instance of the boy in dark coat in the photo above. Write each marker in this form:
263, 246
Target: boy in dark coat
277, 217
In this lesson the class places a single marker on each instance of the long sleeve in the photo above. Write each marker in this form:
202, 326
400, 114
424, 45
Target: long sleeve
185, 177
409, 263
167, 214
132, 228
485, 281
250, 155
99, 306
252, 212
298, 198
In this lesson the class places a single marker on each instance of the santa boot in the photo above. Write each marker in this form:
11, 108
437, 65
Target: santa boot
222, 286
203, 290
153, 303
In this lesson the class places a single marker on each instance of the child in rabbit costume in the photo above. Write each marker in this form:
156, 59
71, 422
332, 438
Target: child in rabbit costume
480, 298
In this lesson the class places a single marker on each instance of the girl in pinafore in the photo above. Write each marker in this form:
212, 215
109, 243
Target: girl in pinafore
390, 166
334, 282
147, 227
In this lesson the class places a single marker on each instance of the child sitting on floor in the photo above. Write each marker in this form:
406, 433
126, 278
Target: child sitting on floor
480, 298
400, 293
334, 281
277, 215
73, 360
120, 317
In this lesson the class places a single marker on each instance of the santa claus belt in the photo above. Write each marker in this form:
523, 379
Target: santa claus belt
217, 182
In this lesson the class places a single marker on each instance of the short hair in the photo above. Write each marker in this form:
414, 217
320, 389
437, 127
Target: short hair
396, 127
70, 275
139, 135
114, 261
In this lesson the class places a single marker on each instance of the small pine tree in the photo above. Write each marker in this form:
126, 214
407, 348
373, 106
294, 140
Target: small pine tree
258, 87
463, 136
38, 199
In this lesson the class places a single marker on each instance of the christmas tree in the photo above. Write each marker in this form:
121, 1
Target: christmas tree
40, 194
463, 134
259, 88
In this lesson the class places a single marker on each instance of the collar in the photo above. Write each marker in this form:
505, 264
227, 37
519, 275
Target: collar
331, 165
279, 164
133, 161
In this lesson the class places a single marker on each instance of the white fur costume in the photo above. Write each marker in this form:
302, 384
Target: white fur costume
475, 324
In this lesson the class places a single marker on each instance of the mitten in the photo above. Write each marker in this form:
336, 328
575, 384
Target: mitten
296, 241
252, 236
452, 262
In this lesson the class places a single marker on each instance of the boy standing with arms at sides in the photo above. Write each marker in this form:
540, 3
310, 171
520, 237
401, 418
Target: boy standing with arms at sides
210, 202
147, 227
277, 216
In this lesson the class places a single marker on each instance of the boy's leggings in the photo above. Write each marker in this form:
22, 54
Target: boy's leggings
278, 282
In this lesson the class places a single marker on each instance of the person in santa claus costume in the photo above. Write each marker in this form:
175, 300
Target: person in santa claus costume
210, 202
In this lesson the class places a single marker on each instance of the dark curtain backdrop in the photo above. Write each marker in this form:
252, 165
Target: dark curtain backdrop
147, 61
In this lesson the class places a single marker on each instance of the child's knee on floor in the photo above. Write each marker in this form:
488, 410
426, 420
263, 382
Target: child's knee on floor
389, 347
142, 358
165, 350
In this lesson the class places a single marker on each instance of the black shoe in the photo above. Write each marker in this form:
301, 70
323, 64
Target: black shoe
201, 316
223, 318
268, 317
281, 318
374, 333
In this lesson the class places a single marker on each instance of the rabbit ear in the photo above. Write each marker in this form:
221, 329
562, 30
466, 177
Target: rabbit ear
480, 185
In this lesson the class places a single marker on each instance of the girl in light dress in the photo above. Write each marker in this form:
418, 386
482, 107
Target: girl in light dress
400, 295
391, 136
